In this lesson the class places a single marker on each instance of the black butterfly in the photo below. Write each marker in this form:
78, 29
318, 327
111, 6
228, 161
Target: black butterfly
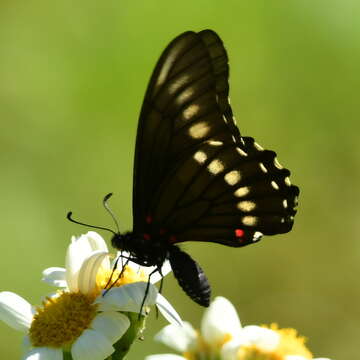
195, 177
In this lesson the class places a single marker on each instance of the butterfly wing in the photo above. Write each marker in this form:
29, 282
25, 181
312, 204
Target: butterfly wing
194, 175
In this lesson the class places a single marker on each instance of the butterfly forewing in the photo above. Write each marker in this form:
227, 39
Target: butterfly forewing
185, 104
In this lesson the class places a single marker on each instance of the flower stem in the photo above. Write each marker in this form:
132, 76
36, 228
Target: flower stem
135, 329
67, 356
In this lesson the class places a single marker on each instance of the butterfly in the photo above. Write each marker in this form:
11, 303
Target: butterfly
195, 177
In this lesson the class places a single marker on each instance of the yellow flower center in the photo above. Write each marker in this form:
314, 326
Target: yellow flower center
204, 350
128, 276
290, 344
254, 353
61, 320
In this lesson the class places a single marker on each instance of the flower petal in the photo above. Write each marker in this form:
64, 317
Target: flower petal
78, 251
91, 345
112, 324
265, 339
230, 349
180, 338
165, 357
15, 311
43, 353
165, 269
220, 319
55, 276
127, 297
168, 311
26, 345
88, 271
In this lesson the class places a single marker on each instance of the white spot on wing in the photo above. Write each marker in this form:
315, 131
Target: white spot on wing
215, 143
257, 235
287, 181
285, 204
275, 185
241, 152
263, 168
258, 147
277, 164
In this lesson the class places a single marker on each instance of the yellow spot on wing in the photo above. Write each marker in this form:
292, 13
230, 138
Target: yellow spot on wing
216, 166
200, 156
242, 191
199, 130
246, 206
191, 111
232, 177
250, 220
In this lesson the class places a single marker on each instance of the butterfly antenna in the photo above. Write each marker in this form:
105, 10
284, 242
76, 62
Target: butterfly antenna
108, 209
69, 217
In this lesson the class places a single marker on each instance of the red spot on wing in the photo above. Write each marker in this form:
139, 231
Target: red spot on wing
147, 237
172, 238
149, 219
239, 233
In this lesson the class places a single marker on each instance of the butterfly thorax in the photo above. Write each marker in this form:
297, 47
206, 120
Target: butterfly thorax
144, 249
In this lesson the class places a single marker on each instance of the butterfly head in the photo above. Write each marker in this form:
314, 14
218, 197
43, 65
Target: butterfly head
121, 241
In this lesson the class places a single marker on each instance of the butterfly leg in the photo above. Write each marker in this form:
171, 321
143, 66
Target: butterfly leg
113, 270
147, 291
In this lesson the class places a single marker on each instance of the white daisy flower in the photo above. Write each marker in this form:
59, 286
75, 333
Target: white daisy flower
222, 337
267, 343
219, 325
81, 318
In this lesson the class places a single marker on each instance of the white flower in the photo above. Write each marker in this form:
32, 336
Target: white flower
81, 318
222, 337
219, 324
256, 342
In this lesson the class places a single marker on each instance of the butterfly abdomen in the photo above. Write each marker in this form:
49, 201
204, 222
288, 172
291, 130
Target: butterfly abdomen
190, 276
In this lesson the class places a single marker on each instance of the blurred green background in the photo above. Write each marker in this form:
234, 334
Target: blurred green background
72, 80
